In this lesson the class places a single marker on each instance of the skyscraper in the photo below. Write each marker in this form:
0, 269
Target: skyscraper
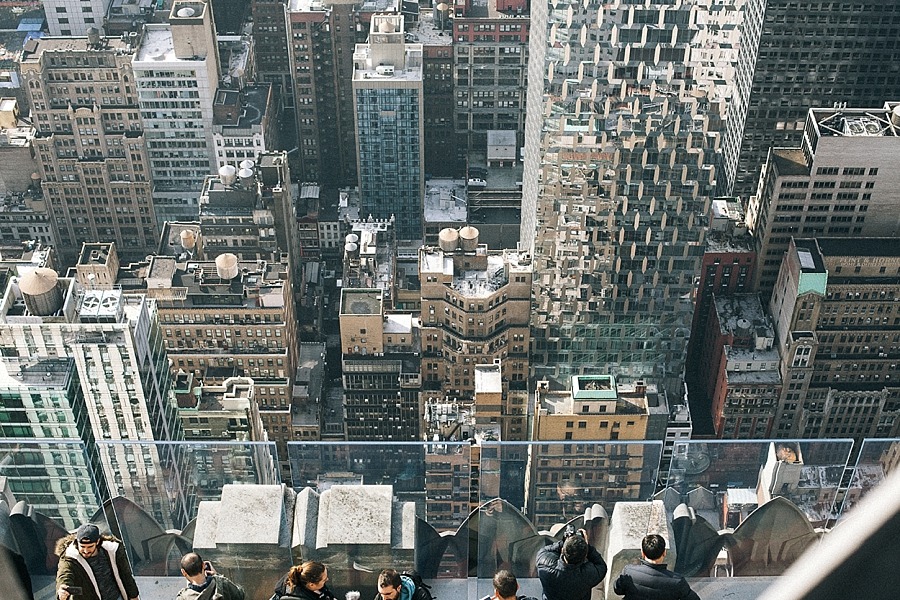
796, 56
840, 182
123, 374
176, 70
387, 96
90, 143
620, 152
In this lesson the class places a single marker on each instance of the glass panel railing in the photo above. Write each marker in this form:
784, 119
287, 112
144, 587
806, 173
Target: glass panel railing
877, 459
369, 506
529, 491
751, 507
47, 487
172, 498
455, 512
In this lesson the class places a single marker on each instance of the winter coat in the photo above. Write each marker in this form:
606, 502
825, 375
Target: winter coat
302, 593
407, 589
651, 581
220, 588
562, 581
73, 569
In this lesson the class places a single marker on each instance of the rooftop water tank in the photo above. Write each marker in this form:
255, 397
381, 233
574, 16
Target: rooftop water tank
448, 239
188, 239
352, 238
246, 176
351, 249
228, 174
468, 238
41, 292
227, 266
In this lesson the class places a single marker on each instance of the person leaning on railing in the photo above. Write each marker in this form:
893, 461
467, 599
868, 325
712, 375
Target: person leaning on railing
650, 579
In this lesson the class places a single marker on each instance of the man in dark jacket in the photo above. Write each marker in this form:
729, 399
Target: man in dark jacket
650, 579
94, 564
204, 583
569, 569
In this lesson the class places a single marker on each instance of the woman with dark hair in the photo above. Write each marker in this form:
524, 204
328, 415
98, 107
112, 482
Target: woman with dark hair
305, 582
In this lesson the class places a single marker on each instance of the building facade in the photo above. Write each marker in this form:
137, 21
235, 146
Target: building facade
839, 182
116, 344
389, 104
796, 57
176, 71
622, 155
490, 48
837, 331
90, 144
75, 17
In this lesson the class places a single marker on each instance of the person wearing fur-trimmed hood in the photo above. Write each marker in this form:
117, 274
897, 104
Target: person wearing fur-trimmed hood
95, 563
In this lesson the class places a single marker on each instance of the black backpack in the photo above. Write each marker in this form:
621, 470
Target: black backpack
423, 590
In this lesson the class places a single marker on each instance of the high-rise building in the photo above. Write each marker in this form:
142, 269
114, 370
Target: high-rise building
271, 42
380, 364
42, 399
490, 64
837, 330
75, 17
387, 98
620, 164
116, 343
322, 38
436, 37
796, 56
840, 182
90, 143
476, 307
246, 123
176, 71
727, 267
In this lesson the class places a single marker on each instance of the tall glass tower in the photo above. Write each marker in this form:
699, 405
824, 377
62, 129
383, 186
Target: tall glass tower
387, 97
621, 140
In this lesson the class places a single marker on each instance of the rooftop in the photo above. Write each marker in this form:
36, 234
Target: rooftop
361, 302
862, 247
790, 161
445, 201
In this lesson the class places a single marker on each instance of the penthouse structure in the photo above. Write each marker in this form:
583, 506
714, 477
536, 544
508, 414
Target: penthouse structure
795, 57
75, 17
245, 123
90, 143
389, 108
122, 370
834, 308
625, 148
839, 182
176, 71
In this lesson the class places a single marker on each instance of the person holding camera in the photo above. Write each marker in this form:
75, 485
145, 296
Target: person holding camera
93, 567
570, 568
204, 583
307, 581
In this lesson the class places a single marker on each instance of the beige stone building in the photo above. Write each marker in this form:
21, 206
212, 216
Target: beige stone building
837, 330
476, 307
90, 143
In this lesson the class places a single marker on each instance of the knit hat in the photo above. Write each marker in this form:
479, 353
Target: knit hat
88, 533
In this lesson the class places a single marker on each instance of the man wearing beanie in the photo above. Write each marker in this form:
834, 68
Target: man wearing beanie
93, 567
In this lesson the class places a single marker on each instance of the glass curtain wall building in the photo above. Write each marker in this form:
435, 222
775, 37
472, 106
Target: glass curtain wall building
623, 144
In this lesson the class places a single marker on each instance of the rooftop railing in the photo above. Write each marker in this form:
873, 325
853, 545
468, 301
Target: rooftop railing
454, 511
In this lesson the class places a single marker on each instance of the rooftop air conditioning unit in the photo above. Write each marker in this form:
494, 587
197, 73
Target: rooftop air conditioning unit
387, 70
